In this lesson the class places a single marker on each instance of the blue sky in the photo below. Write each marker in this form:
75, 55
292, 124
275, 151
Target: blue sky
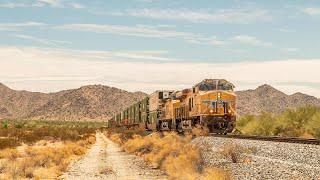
217, 36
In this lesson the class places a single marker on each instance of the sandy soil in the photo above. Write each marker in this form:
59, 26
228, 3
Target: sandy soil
106, 160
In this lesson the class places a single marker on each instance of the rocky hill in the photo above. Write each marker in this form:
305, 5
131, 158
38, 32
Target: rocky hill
94, 102
268, 99
99, 102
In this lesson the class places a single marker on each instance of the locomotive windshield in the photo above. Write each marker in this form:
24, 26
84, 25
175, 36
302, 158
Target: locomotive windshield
226, 86
210, 85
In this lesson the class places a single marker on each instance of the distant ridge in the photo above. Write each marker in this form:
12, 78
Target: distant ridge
98, 102
93, 102
267, 98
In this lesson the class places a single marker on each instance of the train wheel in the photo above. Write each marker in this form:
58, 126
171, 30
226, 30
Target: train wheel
179, 128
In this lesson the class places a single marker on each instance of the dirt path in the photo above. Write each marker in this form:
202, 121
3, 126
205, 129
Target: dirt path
105, 160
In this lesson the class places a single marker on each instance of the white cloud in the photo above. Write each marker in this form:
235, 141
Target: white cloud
77, 6
43, 3
54, 3
19, 26
311, 11
246, 39
142, 31
219, 16
49, 42
290, 50
55, 69
12, 5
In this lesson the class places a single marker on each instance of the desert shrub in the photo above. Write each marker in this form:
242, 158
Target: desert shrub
8, 143
172, 153
4, 124
200, 131
10, 154
235, 152
212, 173
300, 122
118, 138
42, 162
313, 126
17, 132
184, 164
263, 124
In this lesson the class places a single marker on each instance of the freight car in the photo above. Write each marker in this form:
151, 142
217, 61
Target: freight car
210, 104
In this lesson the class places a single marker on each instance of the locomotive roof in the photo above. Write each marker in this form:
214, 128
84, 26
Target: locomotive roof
211, 81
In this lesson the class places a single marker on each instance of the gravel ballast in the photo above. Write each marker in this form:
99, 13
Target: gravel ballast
264, 159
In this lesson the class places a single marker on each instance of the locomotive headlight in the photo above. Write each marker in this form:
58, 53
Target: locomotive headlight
219, 95
211, 110
229, 111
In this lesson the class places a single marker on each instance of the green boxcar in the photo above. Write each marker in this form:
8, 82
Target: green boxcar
125, 117
129, 115
137, 113
144, 105
144, 109
118, 119
153, 116
144, 117
110, 122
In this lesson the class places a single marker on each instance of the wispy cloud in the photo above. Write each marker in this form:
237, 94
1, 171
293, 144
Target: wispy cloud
250, 40
77, 6
54, 3
12, 5
156, 32
19, 26
43, 3
290, 50
49, 42
311, 11
141, 31
219, 16
59, 66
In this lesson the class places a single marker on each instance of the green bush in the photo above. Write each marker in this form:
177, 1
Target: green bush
300, 122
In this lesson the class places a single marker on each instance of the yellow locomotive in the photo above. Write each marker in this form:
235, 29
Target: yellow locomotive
210, 103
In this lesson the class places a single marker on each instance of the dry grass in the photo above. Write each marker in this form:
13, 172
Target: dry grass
174, 154
10, 154
42, 162
13, 133
200, 131
117, 138
236, 153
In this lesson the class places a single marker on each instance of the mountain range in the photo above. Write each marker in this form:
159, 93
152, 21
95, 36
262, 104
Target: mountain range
98, 102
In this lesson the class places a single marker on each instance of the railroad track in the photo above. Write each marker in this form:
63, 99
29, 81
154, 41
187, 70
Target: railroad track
271, 138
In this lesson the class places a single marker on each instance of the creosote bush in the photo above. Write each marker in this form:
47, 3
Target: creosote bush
300, 122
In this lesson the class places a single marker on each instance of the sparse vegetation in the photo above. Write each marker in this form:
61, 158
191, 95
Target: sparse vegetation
16, 132
172, 153
45, 150
300, 122
236, 153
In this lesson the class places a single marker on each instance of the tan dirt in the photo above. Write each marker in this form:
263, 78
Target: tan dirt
106, 160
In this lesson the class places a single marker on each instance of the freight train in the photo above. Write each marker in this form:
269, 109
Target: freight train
209, 104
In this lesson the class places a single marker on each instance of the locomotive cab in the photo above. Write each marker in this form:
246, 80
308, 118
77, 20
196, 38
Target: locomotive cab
216, 105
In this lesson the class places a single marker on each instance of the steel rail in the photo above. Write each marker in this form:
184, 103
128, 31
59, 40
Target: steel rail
270, 138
